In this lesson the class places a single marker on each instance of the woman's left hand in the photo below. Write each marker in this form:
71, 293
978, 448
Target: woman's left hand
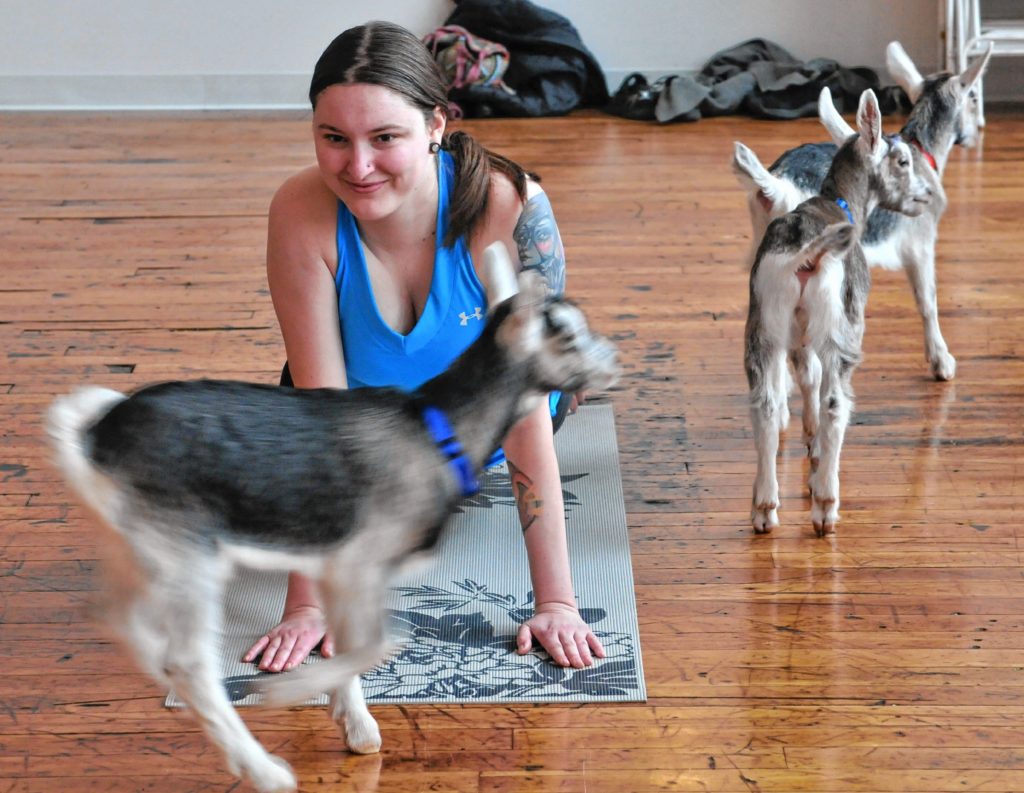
561, 631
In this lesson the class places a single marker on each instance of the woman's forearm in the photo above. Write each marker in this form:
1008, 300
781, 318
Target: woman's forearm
537, 487
301, 592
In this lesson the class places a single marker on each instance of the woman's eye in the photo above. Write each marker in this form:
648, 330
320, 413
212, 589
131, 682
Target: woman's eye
334, 138
387, 137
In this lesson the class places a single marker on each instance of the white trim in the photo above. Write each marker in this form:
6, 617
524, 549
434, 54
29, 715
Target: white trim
155, 92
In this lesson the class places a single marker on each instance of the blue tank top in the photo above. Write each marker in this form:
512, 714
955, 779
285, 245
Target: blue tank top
452, 319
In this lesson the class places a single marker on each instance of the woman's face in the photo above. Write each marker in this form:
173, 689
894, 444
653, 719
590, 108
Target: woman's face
373, 148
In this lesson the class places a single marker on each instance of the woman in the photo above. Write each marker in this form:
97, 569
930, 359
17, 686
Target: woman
382, 236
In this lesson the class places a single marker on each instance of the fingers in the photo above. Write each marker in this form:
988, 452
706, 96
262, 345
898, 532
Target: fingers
327, 646
524, 639
571, 650
288, 645
595, 645
566, 647
256, 649
300, 651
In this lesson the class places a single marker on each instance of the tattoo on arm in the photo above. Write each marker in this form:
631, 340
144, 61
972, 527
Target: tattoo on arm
530, 505
539, 243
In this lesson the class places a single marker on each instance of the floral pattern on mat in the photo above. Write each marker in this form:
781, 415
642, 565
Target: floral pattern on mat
456, 653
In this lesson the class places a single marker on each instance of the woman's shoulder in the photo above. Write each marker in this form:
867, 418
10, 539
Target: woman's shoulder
504, 204
303, 221
303, 196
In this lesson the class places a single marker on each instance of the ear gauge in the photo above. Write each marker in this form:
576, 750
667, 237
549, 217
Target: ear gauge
434, 147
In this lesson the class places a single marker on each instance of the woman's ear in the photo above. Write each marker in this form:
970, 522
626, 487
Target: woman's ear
436, 125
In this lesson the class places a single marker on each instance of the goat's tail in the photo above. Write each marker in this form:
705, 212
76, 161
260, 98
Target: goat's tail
774, 194
66, 422
312, 680
835, 239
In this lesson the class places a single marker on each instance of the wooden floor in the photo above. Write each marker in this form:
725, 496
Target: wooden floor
889, 657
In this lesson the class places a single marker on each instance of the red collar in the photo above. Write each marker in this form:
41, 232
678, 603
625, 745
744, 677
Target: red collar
927, 154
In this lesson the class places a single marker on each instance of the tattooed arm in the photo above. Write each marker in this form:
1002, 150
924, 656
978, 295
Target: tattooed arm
540, 249
538, 242
529, 233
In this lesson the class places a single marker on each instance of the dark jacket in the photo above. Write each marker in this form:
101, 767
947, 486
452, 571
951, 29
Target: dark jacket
550, 69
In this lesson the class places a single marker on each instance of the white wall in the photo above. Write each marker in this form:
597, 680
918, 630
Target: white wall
259, 53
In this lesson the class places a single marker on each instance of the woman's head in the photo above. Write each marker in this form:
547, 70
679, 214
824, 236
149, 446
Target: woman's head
384, 54
349, 77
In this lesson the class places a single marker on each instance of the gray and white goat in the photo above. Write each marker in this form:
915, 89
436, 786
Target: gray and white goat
808, 287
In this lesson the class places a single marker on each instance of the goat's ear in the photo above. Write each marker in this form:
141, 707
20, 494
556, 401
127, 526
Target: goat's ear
903, 70
521, 331
531, 294
499, 275
971, 75
869, 125
834, 123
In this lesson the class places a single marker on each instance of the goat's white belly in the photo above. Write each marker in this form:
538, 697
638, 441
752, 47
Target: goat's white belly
885, 254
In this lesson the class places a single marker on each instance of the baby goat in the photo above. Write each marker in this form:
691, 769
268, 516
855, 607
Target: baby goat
346, 487
808, 287
945, 111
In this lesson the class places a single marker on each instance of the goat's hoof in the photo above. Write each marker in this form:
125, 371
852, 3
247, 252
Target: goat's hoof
765, 517
824, 515
362, 736
273, 776
943, 367
821, 529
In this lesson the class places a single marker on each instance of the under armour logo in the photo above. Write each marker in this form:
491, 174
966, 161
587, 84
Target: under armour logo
467, 317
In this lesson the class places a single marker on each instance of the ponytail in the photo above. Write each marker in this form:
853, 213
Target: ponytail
473, 168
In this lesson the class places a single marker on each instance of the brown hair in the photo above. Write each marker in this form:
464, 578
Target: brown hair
388, 55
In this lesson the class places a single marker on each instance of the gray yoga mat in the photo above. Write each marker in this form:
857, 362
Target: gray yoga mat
459, 618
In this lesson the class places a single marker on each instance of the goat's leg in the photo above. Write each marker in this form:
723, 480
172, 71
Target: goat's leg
807, 366
352, 603
348, 710
767, 407
920, 267
187, 606
836, 405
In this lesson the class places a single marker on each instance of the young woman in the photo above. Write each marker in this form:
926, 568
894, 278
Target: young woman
371, 259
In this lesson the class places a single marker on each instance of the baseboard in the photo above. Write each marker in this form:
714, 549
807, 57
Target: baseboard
155, 92
278, 91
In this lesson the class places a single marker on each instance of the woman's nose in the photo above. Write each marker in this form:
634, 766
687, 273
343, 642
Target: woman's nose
360, 161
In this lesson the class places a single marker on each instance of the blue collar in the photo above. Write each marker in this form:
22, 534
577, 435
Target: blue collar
444, 436
846, 208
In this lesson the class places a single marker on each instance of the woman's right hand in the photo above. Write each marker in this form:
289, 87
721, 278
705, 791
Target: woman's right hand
289, 644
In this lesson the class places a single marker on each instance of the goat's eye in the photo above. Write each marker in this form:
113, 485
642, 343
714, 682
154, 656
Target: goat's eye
904, 162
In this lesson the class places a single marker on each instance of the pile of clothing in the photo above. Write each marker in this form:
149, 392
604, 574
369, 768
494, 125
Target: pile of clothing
757, 78
515, 58
548, 71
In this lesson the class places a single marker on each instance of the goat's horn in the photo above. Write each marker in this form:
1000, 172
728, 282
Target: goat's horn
499, 275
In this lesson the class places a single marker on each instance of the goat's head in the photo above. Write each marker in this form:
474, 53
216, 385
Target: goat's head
889, 162
952, 99
549, 333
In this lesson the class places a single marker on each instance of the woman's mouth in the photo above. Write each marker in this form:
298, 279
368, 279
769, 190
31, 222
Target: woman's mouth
365, 187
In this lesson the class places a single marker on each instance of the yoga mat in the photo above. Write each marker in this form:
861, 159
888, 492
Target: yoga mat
459, 617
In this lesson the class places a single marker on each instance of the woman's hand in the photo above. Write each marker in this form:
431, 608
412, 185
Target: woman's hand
288, 645
561, 631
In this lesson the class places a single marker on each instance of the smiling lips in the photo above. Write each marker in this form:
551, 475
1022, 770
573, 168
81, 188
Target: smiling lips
365, 187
